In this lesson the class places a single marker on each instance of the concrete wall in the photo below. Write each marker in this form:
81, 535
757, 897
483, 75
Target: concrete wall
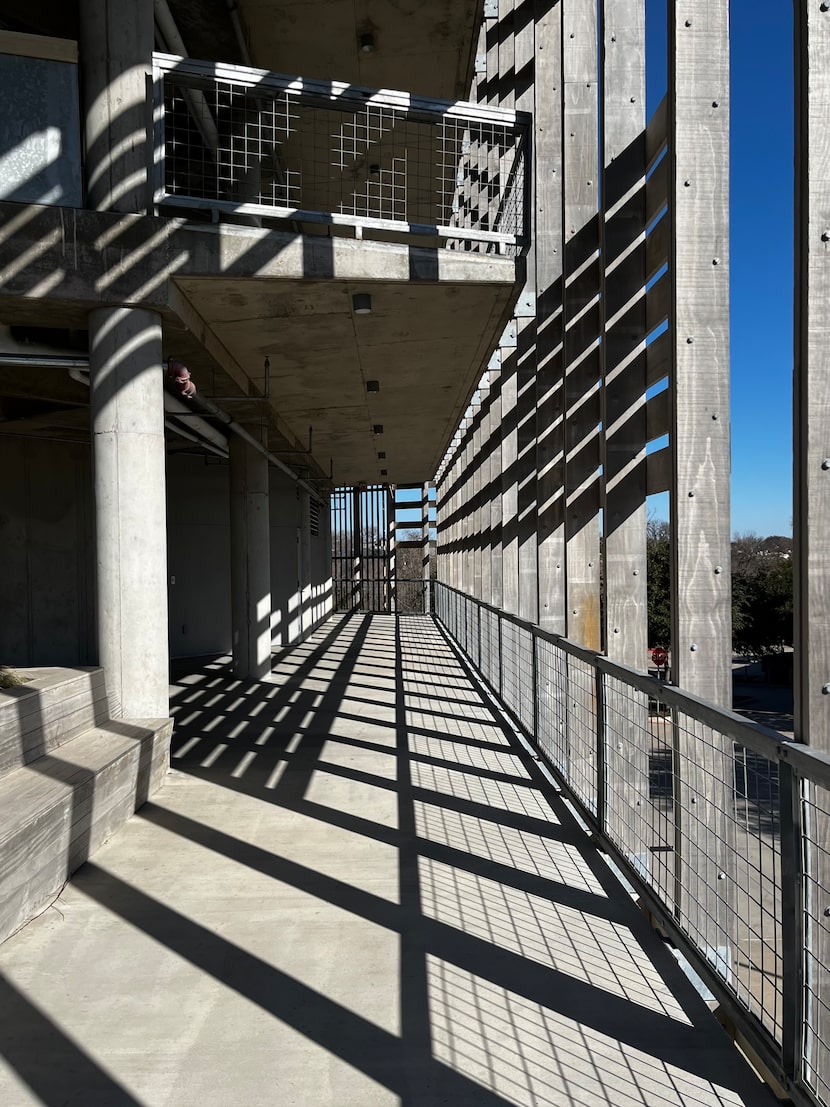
47, 560
199, 559
198, 552
300, 563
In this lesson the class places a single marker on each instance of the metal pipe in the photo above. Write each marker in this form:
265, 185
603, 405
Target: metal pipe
79, 370
209, 408
176, 428
174, 407
233, 8
46, 361
174, 43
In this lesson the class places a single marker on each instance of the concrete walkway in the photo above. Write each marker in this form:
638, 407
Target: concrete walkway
353, 890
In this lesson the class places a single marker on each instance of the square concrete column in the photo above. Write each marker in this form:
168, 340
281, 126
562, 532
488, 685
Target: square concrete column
250, 561
127, 412
116, 53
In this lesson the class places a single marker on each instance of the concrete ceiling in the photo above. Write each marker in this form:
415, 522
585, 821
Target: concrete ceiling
426, 345
421, 46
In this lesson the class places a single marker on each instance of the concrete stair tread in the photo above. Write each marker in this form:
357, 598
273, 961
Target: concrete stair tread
58, 809
58, 705
33, 788
24, 698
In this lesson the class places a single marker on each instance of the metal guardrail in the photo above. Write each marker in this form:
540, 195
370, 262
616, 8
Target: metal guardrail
230, 138
721, 824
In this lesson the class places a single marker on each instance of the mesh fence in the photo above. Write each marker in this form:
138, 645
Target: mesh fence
709, 813
278, 148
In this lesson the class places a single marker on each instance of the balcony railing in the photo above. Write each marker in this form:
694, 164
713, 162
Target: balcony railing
381, 164
722, 826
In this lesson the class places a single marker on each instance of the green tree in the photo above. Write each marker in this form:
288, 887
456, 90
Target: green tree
762, 595
658, 567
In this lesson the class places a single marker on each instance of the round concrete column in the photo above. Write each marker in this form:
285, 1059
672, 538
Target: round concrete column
250, 560
116, 50
127, 409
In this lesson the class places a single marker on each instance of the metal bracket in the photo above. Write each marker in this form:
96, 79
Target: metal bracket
509, 335
525, 306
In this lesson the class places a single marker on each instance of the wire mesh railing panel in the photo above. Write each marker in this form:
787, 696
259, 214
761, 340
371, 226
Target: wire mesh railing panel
510, 663
582, 731
490, 665
552, 699
639, 783
730, 863
518, 691
815, 1028
758, 938
723, 825
475, 636
311, 151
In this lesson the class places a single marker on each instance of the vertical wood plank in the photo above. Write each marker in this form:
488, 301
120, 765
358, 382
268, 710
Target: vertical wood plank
700, 519
496, 468
623, 411
526, 479
623, 348
581, 172
550, 443
811, 492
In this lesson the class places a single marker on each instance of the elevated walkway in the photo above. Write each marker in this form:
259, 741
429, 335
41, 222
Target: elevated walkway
355, 888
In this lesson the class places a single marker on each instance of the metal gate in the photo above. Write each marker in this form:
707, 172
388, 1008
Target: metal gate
365, 546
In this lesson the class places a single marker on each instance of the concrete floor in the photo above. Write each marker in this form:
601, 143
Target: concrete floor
354, 889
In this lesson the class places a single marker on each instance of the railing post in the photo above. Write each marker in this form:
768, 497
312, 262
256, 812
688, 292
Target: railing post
501, 659
677, 805
792, 919
534, 641
599, 694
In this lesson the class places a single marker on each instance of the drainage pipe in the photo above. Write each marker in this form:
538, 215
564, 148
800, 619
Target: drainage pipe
213, 440
79, 371
211, 409
174, 44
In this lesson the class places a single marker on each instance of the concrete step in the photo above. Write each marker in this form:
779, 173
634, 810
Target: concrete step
56, 810
54, 707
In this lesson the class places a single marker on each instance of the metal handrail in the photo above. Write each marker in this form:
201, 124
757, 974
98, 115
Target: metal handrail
798, 779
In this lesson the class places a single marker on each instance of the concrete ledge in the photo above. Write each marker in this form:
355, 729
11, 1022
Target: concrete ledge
57, 810
54, 707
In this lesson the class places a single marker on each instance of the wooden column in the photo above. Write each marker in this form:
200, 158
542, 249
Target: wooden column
700, 523
811, 499
581, 313
623, 438
496, 566
550, 456
700, 517
623, 354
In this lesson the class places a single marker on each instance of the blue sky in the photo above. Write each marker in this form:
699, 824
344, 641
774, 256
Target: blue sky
761, 257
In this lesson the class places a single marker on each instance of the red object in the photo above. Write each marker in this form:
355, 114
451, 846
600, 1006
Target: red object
659, 656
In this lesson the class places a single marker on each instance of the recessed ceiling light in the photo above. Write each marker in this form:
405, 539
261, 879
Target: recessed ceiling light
378, 428
367, 42
373, 386
383, 472
381, 455
362, 303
